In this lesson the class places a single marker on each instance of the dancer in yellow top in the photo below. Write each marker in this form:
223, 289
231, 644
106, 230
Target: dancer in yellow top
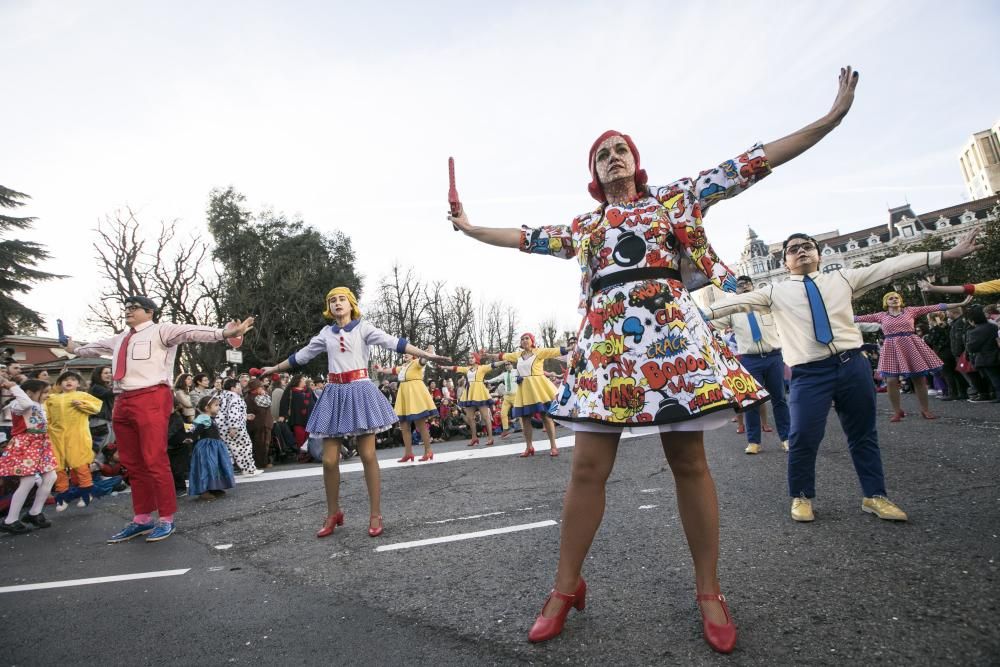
477, 398
413, 404
535, 392
69, 431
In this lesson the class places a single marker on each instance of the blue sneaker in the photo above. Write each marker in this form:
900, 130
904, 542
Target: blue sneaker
132, 530
162, 531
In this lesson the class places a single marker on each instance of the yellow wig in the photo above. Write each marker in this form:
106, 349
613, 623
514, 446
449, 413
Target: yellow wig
351, 299
885, 300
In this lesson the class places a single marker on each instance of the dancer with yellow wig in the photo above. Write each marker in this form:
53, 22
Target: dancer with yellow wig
350, 405
904, 353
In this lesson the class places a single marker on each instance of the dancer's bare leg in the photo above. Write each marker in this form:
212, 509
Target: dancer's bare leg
550, 430
425, 436
893, 389
920, 389
470, 420
583, 508
373, 479
699, 510
487, 416
526, 429
331, 474
404, 430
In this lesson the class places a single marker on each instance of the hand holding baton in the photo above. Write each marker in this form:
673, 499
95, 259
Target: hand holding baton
453, 202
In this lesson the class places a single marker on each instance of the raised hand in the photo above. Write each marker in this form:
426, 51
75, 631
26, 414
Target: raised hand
924, 285
845, 93
235, 328
437, 359
966, 245
460, 221
966, 301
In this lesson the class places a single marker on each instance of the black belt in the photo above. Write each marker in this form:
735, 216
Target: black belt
633, 275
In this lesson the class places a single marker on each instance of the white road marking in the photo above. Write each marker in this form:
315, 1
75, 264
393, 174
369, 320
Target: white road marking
647, 507
93, 580
470, 453
466, 536
223, 547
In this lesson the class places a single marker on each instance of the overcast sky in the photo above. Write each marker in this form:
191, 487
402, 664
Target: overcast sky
344, 113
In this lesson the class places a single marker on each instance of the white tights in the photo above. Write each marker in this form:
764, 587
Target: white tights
23, 489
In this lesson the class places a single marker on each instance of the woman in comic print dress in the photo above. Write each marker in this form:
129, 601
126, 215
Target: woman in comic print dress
645, 357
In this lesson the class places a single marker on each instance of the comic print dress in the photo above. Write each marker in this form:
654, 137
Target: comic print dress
645, 358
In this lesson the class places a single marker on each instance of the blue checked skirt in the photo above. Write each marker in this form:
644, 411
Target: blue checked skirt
355, 408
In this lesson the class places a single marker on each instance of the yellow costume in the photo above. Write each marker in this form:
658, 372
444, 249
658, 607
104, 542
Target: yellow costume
477, 395
69, 432
413, 401
988, 287
535, 393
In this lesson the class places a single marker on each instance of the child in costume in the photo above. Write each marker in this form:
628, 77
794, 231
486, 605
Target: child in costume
69, 414
211, 471
413, 405
351, 404
27, 454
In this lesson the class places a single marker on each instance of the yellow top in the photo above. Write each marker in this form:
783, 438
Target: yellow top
475, 376
412, 370
69, 428
988, 287
532, 365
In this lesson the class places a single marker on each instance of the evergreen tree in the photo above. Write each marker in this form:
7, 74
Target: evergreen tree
17, 273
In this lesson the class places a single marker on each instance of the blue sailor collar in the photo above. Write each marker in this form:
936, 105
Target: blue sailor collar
347, 327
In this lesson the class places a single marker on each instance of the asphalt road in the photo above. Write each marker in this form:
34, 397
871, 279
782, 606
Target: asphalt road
846, 589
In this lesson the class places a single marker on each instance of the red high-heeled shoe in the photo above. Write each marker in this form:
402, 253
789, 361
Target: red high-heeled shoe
553, 452
331, 523
766, 428
530, 451
546, 628
898, 417
405, 459
489, 443
375, 532
722, 638
928, 415
427, 457
473, 442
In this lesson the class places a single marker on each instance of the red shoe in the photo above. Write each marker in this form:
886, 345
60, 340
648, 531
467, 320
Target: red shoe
898, 417
722, 638
547, 628
504, 435
426, 457
331, 523
473, 442
928, 415
405, 459
530, 451
553, 452
375, 532
767, 429
489, 443
741, 429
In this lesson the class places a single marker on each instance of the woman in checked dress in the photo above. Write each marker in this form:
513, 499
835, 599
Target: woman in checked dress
645, 358
904, 353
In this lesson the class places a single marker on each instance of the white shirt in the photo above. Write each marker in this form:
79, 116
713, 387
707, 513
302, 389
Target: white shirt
740, 324
346, 347
149, 360
788, 302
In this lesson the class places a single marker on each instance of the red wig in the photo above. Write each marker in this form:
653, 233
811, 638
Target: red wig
595, 188
531, 336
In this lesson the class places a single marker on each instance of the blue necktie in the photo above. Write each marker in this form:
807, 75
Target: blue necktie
754, 328
821, 322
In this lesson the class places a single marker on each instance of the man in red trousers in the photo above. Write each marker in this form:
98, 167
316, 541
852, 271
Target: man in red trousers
142, 364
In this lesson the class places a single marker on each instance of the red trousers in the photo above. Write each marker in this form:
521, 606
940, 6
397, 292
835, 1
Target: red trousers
140, 425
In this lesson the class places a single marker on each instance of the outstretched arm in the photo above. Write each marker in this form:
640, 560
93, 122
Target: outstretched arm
782, 150
505, 237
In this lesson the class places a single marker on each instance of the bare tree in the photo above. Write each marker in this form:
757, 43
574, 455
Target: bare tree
548, 332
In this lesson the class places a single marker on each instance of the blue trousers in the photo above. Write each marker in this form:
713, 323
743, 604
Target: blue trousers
845, 380
769, 370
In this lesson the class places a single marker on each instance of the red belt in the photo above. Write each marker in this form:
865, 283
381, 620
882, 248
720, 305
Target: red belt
349, 376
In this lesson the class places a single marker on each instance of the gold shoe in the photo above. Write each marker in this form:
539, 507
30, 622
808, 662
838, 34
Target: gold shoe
802, 509
752, 448
883, 508
784, 445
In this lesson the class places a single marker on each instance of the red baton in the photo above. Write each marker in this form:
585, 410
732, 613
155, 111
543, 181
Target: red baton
453, 201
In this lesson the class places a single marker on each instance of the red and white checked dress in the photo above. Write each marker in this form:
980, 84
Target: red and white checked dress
904, 353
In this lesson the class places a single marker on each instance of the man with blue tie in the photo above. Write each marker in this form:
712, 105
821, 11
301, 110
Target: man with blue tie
759, 347
822, 345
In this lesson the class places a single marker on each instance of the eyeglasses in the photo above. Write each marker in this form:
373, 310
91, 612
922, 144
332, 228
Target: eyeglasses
130, 308
794, 249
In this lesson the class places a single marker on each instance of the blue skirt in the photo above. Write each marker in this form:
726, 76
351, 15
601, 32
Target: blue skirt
355, 408
211, 467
